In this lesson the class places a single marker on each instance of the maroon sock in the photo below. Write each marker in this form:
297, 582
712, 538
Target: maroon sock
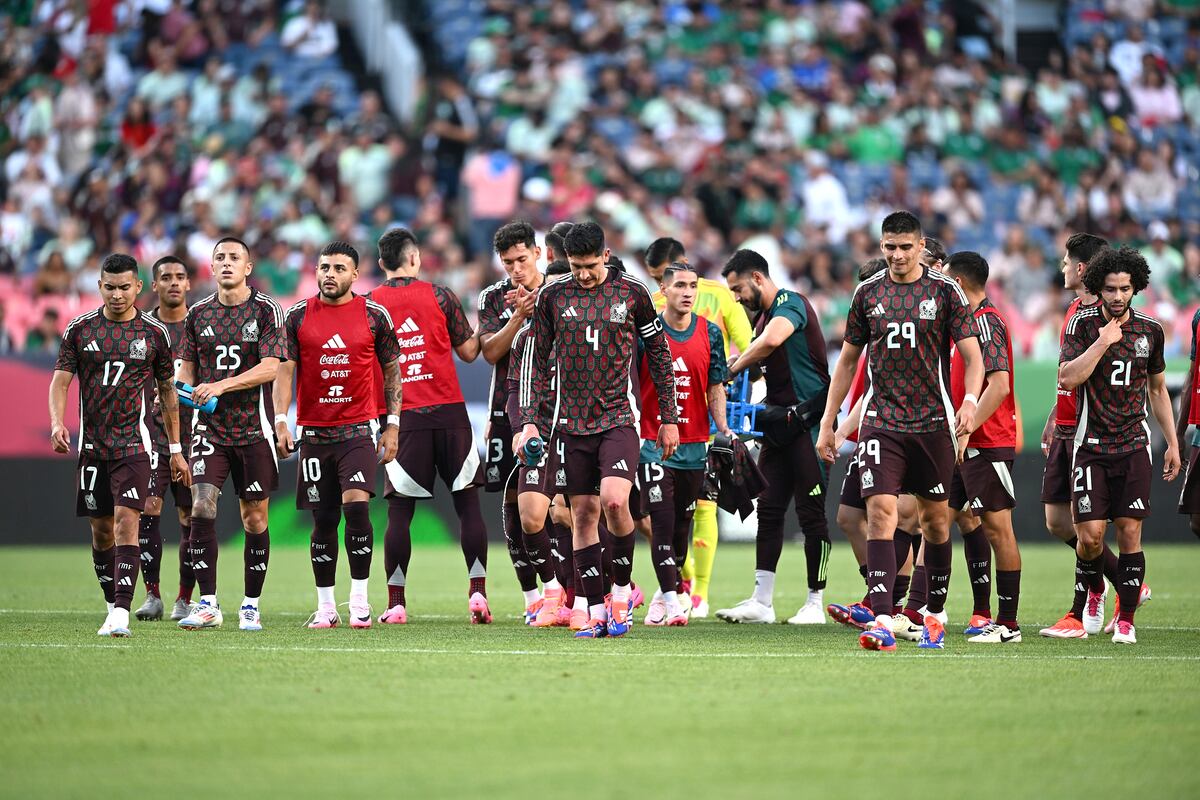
395, 596
1087, 573
397, 542
472, 531
899, 592
187, 578
902, 542
151, 544
323, 546
937, 571
979, 568
665, 567
1130, 576
360, 538
203, 550
125, 565
622, 561
606, 553
1008, 596
102, 563
591, 583
563, 555
537, 545
866, 601
477, 585
256, 553
521, 560
1110, 567
918, 594
881, 571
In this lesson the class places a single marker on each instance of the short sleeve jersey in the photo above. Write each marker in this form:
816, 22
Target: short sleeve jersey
158, 433
520, 381
494, 314
1113, 400
907, 330
114, 361
798, 370
1065, 410
223, 341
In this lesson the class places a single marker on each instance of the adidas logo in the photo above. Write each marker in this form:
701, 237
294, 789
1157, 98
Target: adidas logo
976, 503
208, 332
358, 478
939, 489
877, 311
570, 312
322, 559
132, 494
590, 572
624, 562
670, 562
362, 551
878, 588
942, 591
678, 365
126, 581
199, 565
260, 567
1133, 582
816, 491
981, 580
254, 487
409, 326
92, 347
1138, 505
621, 465
335, 343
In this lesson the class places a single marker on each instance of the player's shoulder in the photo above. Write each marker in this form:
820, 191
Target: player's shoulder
494, 292
866, 287
296, 310
156, 325
714, 331
1082, 318
623, 278
202, 306
948, 285
82, 321
268, 305
1147, 321
378, 310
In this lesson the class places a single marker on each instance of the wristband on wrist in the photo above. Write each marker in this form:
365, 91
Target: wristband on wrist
393, 419
280, 418
174, 447
971, 399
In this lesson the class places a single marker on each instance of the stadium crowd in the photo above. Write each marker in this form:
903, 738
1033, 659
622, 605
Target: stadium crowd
789, 127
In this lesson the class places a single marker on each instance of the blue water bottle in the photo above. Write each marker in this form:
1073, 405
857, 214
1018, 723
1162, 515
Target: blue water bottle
533, 451
185, 397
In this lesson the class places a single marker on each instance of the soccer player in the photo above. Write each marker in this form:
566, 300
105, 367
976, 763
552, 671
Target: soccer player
982, 495
115, 350
334, 340
791, 349
669, 488
590, 321
1189, 414
504, 308
231, 350
1114, 353
906, 317
170, 281
1058, 436
436, 436
716, 304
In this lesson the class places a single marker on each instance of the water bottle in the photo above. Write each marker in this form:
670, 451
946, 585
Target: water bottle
185, 397
533, 451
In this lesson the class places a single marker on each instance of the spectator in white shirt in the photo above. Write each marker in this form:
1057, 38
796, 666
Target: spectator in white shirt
824, 198
310, 35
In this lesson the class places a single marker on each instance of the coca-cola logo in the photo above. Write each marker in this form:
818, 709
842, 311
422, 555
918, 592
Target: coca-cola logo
340, 358
413, 341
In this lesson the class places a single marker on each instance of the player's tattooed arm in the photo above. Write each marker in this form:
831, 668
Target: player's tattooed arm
60, 437
281, 398
716, 408
393, 395
168, 404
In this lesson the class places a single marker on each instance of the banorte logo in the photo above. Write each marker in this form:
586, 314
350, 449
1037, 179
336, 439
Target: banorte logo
340, 358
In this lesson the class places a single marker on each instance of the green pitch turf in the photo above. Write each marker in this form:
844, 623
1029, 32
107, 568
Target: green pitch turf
443, 708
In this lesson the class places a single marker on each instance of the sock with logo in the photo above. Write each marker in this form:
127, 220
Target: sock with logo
323, 546
679, 544
622, 563
764, 587
704, 546
979, 568
590, 582
151, 544
359, 538
203, 550
125, 565
513, 537
662, 545
937, 571
1131, 574
102, 563
256, 553
899, 590
562, 553
918, 595
537, 546
1008, 596
187, 578
397, 541
881, 573
816, 559
472, 531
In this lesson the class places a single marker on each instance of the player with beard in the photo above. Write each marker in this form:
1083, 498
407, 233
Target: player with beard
231, 350
791, 348
591, 321
334, 342
115, 350
170, 281
1114, 355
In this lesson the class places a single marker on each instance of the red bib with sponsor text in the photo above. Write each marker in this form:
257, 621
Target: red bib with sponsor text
426, 368
689, 361
1000, 429
335, 372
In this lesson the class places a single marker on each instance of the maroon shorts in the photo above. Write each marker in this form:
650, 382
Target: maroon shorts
327, 470
1109, 486
426, 453
160, 479
896, 463
983, 482
253, 468
102, 484
1189, 496
1056, 479
548, 478
498, 459
851, 492
661, 486
590, 458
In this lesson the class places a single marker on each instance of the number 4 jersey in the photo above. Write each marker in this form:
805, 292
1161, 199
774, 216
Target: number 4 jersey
1112, 402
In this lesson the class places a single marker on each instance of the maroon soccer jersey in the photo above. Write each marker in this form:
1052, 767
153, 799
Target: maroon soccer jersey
223, 341
1065, 407
907, 329
494, 314
519, 384
1113, 401
158, 434
593, 334
114, 362
336, 349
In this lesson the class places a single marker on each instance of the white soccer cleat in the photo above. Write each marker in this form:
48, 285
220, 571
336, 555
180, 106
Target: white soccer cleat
904, 628
202, 615
116, 624
656, 614
360, 612
249, 619
940, 616
996, 634
811, 613
1124, 633
749, 611
1093, 612
699, 609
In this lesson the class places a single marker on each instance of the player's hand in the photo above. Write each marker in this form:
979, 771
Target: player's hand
388, 444
961, 448
1171, 463
668, 439
964, 420
1110, 334
285, 445
179, 469
1046, 442
206, 391
530, 431
60, 439
827, 444
524, 303
731, 367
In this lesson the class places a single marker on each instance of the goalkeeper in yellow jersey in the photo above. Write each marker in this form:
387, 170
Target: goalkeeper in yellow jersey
715, 303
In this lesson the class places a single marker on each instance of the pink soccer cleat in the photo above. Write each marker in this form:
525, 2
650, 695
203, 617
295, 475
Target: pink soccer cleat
547, 615
396, 615
478, 606
324, 617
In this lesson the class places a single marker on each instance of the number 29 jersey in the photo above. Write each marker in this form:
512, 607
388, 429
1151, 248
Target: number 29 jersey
907, 330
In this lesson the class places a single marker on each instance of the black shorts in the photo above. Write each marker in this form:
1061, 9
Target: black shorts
590, 458
851, 493
983, 482
896, 463
102, 484
498, 459
794, 473
660, 486
327, 470
160, 479
253, 468
549, 477
426, 453
1108, 486
1056, 478
1189, 496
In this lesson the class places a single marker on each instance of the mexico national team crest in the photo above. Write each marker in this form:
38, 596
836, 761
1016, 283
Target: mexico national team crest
655, 494
866, 479
198, 467
1141, 348
532, 477
1085, 504
137, 349
619, 312
928, 309
314, 496
493, 474
250, 331
89, 500
560, 478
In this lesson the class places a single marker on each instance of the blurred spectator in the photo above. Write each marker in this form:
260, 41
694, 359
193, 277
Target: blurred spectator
960, 202
137, 128
1149, 187
363, 170
164, 83
70, 244
825, 198
1029, 284
1165, 261
76, 115
1043, 204
6, 340
1126, 55
492, 178
310, 35
44, 337
34, 153
455, 127
52, 276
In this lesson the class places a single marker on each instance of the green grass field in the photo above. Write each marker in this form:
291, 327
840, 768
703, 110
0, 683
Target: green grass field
442, 708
